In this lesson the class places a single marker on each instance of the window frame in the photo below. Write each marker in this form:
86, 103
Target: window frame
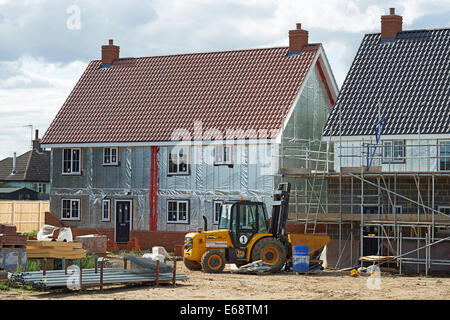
223, 162
439, 155
178, 202
188, 161
103, 212
443, 207
116, 163
70, 213
393, 159
80, 162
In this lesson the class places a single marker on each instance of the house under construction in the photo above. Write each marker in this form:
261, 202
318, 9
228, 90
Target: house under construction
378, 182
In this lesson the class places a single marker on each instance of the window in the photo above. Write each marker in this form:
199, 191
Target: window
71, 161
110, 156
70, 209
444, 210
393, 151
106, 210
179, 160
177, 211
388, 209
40, 187
444, 155
217, 208
223, 155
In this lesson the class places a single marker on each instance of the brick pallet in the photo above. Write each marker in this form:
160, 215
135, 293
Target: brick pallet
12, 247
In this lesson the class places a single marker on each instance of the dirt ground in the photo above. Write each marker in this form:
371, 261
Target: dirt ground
326, 285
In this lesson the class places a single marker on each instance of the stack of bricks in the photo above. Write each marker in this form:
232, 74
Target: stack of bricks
12, 248
10, 237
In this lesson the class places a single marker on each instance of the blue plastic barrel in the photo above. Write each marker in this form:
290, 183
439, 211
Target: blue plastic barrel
300, 258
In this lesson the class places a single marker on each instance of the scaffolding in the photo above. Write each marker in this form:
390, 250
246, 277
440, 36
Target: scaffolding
392, 197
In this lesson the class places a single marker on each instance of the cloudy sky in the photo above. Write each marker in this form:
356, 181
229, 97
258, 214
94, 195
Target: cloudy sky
46, 45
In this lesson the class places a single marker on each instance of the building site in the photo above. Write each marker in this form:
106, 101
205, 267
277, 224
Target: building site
223, 171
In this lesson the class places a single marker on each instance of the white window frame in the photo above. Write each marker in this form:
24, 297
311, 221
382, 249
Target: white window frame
443, 207
108, 201
178, 160
439, 155
70, 213
178, 221
39, 187
391, 148
219, 152
110, 162
71, 162
216, 218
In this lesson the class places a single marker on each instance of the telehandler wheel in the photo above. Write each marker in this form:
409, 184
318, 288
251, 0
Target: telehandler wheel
213, 261
192, 265
271, 251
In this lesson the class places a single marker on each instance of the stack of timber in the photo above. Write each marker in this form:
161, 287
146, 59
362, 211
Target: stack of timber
55, 250
12, 247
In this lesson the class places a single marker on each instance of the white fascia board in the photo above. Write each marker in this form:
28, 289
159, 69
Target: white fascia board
387, 137
331, 80
157, 143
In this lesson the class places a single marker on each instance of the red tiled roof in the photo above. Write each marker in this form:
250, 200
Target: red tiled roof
146, 99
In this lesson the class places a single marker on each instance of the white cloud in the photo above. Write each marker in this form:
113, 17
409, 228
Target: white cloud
41, 59
23, 103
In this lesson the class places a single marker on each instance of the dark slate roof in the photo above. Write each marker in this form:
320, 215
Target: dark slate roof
405, 81
11, 190
32, 166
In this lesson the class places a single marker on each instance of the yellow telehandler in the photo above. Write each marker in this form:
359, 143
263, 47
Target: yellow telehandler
245, 235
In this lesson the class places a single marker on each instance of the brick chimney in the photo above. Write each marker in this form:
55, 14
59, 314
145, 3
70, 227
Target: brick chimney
297, 38
37, 141
390, 25
110, 53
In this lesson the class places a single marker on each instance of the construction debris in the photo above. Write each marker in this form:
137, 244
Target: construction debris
256, 267
47, 231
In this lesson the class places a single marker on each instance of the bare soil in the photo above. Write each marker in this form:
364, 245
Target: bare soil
282, 286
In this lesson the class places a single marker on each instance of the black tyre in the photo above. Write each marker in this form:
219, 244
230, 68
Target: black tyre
213, 261
192, 265
271, 251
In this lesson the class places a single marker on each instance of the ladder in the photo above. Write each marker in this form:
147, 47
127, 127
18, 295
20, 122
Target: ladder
311, 225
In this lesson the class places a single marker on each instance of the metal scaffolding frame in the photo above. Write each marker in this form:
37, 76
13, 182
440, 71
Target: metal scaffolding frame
383, 177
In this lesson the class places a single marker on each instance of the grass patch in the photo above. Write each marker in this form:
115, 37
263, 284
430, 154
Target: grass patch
30, 234
4, 287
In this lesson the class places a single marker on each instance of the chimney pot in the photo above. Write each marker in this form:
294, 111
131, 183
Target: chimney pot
298, 38
111, 41
36, 134
391, 25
